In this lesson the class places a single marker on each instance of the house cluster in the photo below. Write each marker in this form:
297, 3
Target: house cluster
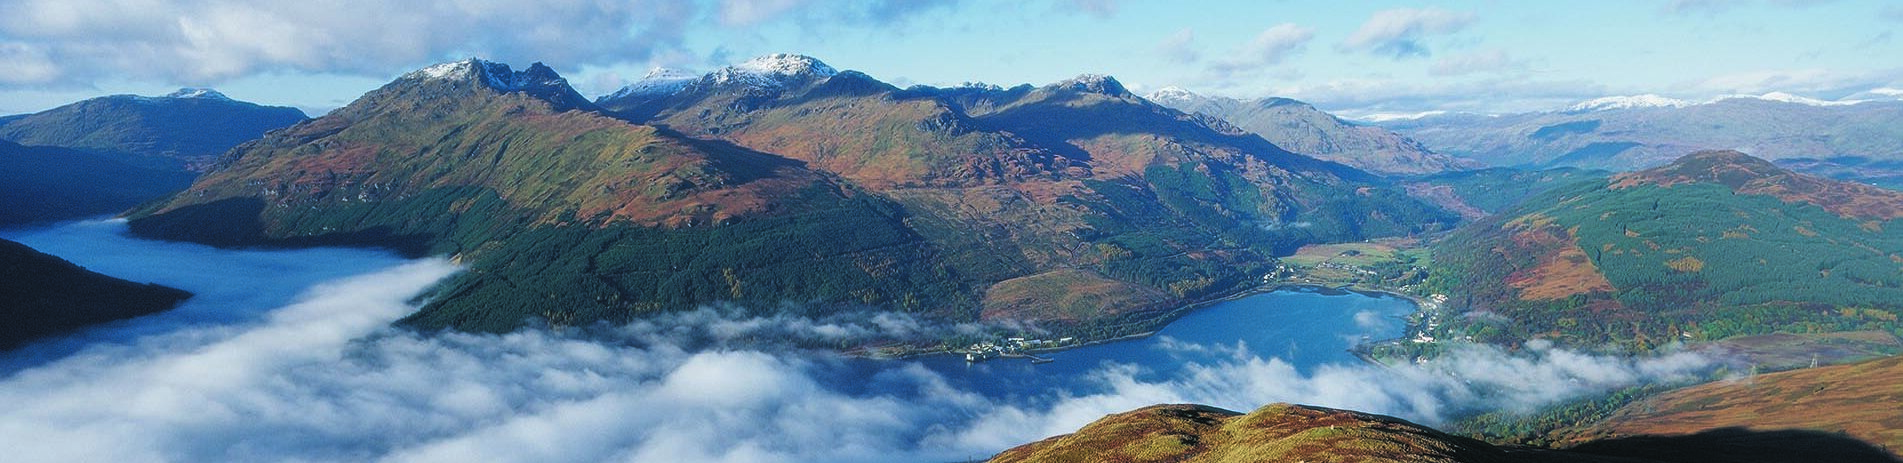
1012, 347
1431, 309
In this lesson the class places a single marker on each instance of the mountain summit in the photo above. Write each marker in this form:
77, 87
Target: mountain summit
538, 80
1094, 83
205, 93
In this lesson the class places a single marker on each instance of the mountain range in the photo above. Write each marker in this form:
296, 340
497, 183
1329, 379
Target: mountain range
783, 182
1301, 128
184, 130
1641, 132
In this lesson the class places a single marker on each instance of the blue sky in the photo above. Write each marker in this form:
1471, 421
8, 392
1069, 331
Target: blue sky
1353, 57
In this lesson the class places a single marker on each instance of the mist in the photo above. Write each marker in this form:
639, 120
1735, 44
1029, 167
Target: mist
308, 368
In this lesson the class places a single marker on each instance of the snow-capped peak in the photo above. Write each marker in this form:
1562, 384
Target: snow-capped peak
775, 70
1628, 102
658, 81
782, 64
497, 75
1889, 92
1789, 98
1094, 83
666, 74
1171, 94
981, 86
203, 93
453, 70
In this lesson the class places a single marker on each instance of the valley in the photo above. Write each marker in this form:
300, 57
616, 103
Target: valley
1090, 231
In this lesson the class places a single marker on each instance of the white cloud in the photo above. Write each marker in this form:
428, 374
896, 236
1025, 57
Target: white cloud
1277, 43
210, 40
1261, 55
26, 64
1398, 32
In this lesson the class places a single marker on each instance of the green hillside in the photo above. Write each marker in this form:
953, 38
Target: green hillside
182, 131
46, 296
1714, 245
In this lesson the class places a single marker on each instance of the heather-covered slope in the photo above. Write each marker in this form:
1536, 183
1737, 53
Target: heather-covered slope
1301, 128
45, 296
43, 184
1714, 245
1860, 400
1298, 433
181, 131
783, 183
561, 213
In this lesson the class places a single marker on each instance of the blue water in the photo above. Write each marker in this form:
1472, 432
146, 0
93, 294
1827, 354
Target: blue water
1305, 328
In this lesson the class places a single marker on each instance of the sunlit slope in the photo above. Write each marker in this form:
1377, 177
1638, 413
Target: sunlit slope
1714, 245
560, 213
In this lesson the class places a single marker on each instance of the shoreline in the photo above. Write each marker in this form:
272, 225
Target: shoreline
1359, 351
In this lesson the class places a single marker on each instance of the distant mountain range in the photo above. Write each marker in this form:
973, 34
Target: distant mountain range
46, 296
184, 130
1626, 133
783, 180
1301, 128
1714, 245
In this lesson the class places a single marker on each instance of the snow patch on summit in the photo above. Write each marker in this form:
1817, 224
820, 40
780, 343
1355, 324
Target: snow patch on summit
1172, 95
775, 70
659, 81
201, 93
497, 76
1628, 102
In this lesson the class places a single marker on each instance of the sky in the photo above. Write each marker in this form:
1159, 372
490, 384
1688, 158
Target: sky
1357, 58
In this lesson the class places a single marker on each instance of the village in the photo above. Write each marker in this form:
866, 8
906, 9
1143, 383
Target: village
1016, 347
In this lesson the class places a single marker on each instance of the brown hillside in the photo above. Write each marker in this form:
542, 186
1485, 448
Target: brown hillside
1862, 400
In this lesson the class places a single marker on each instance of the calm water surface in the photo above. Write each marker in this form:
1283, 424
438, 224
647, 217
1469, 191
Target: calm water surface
1305, 328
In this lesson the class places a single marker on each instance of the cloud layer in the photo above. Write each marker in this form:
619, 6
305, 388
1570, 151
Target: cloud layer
209, 40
